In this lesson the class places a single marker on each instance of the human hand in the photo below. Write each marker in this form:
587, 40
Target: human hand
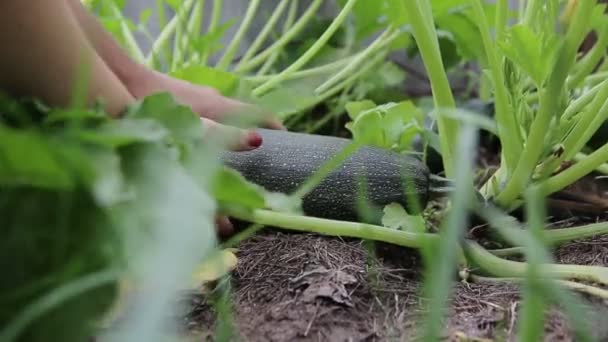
214, 110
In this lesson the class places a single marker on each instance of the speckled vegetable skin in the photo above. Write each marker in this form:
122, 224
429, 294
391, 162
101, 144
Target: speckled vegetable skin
286, 160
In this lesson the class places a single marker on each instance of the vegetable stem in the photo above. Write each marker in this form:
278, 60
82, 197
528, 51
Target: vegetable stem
333, 227
576, 171
549, 104
232, 48
387, 36
216, 14
270, 24
507, 268
291, 17
165, 34
310, 53
424, 32
285, 38
507, 124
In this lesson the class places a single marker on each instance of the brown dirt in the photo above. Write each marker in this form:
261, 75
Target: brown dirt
305, 287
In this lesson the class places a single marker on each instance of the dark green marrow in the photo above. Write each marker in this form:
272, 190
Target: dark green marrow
287, 159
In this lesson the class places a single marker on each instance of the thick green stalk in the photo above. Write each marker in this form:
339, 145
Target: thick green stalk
311, 52
564, 235
501, 22
596, 78
385, 38
428, 45
291, 17
505, 118
576, 106
587, 124
549, 104
507, 268
285, 38
601, 169
576, 171
216, 14
582, 288
270, 24
233, 47
532, 8
333, 227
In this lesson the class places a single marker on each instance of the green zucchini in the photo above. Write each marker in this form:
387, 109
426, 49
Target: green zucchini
287, 159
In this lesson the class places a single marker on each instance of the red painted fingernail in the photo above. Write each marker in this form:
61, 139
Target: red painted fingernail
255, 140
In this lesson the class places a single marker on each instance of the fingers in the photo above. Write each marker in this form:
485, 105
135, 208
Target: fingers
232, 138
232, 112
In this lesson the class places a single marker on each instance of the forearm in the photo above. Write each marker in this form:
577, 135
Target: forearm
127, 70
42, 51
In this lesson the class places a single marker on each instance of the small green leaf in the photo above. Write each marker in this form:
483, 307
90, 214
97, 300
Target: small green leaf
396, 217
144, 16
182, 123
231, 187
28, 158
367, 128
531, 52
357, 107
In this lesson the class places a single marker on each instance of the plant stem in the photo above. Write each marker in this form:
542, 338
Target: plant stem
587, 123
165, 34
270, 24
285, 38
194, 28
232, 48
601, 169
310, 53
347, 82
580, 103
291, 17
549, 103
505, 118
564, 235
333, 227
423, 28
532, 8
508, 268
583, 288
576, 171
178, 52
132, 46
216, 14
319, 70
385, 38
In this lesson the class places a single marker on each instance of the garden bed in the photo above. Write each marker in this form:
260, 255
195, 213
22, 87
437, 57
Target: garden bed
307, 287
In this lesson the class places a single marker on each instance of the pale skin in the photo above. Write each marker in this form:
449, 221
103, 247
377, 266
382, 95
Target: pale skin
44, 43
